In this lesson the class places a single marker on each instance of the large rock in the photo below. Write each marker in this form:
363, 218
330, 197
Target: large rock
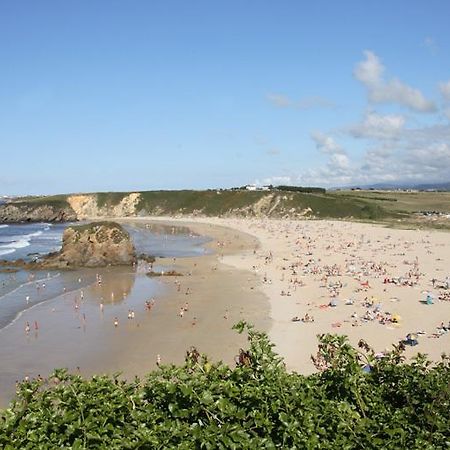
17, 212
96, 244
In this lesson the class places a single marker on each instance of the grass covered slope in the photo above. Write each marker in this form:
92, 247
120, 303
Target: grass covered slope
300, 202
257, 404
275, 203
400, 201
37, 209
247, 203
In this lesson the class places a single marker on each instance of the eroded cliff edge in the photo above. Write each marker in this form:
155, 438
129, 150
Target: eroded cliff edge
19, 212
275, 203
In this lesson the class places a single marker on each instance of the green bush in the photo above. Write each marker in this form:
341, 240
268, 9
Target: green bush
257, 404
306, 190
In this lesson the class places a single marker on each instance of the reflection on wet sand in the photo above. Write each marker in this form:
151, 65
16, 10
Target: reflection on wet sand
160, 228
112, 286
104, 323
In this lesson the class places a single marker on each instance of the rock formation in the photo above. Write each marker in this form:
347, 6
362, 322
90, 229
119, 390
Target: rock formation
88, 206
96, 244
16, 212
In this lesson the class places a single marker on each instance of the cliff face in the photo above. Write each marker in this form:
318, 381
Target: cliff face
93, 245
104, 205
222, 203
87, 206
71, 208
28, 212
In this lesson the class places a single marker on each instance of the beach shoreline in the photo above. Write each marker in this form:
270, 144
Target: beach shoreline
373, 272
75, 333
264, 271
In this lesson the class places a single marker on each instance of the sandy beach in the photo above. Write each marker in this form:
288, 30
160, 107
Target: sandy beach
264, 271
378, 279
76, 329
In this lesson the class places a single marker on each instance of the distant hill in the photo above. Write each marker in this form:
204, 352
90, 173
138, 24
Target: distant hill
392, 186
221, 203
394, 206
433, 186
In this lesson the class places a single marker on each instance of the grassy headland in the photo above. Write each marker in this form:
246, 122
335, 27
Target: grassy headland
385, 206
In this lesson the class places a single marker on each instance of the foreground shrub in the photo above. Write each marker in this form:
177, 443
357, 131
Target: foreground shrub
257, 404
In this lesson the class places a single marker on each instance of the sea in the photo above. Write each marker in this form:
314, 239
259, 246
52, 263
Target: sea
22, 289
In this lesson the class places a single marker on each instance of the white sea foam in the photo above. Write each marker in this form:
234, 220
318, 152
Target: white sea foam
27, 283
39, 303
19, 243
23, 311
7, 251
3, 226
36, 233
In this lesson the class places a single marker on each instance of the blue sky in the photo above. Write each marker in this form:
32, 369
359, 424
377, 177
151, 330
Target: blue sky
115, 95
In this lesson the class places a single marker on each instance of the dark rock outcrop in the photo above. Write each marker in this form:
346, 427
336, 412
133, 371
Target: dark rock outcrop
17, 212
96, 244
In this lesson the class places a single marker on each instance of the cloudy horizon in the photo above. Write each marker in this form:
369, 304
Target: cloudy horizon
165, 95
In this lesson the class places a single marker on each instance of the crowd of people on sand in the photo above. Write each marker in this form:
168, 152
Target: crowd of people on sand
306, 318
363, 271
359, 284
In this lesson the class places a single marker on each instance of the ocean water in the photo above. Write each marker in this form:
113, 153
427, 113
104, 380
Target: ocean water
166, 241
21, 290
27, 241
18, 287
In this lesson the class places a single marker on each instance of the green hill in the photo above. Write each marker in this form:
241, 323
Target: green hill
279, 202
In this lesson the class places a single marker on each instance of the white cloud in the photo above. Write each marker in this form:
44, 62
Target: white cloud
416, 155
282, 101
444, 87
339, 161
279, 100
426, 136
338, 164
396, 92
378, 161
430, 44
370, 72
325, 176
434, 158
326, 144
278, 181
273, 151
314, 102
378, 126
391, 149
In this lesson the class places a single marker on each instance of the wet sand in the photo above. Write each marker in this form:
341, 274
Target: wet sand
74, 332
303, 264
264, 271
